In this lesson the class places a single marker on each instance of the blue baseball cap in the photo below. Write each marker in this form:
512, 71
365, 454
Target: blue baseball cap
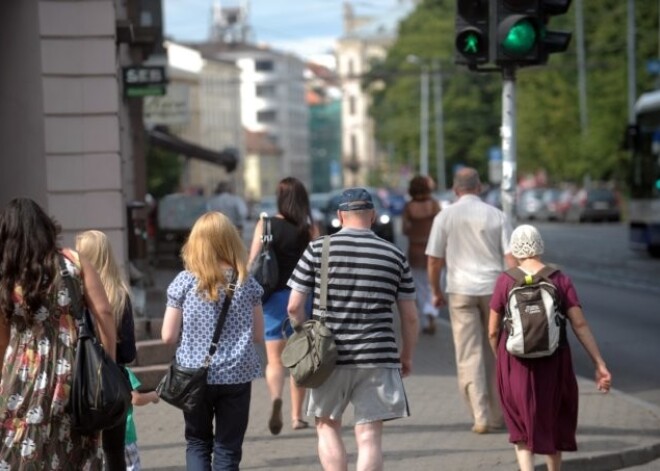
355, 199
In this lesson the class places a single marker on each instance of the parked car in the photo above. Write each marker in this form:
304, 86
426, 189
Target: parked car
594, 204
493, 196
445, 198
529, 203
383, 226
551, 209
268, 205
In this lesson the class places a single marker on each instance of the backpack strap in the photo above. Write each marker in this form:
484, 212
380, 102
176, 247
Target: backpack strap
522, 278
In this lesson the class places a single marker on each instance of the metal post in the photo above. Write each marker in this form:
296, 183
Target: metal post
508, 134
632, 74
582, 68
439, 127
424, 123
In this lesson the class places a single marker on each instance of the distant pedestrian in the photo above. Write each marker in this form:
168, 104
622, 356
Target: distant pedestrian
292, 229
470, 239
417, 219
95, 247
367, 277
131, 451
539, 396
213, 256
231, 205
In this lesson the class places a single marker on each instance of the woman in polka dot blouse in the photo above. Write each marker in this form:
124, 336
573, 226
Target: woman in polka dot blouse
213, 254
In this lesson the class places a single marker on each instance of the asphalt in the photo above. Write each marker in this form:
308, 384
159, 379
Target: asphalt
615, 431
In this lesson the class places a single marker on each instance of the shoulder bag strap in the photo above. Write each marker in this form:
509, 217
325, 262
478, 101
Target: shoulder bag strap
74, 289
323, 301
266, 233
229, 293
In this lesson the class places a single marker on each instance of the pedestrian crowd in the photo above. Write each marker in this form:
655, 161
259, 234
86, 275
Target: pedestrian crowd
466, 257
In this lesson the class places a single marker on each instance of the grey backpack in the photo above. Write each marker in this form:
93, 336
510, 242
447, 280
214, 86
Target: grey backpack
533, 318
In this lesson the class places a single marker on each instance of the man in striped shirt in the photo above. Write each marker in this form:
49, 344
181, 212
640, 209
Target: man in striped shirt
367, 276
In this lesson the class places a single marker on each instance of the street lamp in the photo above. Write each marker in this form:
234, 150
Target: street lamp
423, 113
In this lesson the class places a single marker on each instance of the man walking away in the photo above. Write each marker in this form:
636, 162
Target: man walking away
470, 239
229, 204
366, 277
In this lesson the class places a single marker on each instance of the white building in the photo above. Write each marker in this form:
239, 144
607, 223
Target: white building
364, 39
272, 102
203, 107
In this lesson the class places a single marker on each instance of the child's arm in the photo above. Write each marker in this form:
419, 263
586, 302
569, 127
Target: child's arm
141, 399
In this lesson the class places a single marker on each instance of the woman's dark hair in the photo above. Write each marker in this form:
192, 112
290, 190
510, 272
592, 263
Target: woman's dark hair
419, 187
28, 256
293, 203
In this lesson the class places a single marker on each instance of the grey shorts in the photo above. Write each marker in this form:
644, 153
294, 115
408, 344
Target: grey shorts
375, 393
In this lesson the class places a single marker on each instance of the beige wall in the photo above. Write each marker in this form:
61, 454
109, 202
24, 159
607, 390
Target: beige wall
59, 118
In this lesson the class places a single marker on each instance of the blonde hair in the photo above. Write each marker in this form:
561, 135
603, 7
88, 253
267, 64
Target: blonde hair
214, 241
95, 247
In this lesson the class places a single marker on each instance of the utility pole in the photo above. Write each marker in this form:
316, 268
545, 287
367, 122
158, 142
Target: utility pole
439, 127
632, 74
424, 122
582, 66
508, 134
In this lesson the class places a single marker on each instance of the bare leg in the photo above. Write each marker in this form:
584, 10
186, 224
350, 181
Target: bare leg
369, 439
275, 381
525, 457
297, 399
331, 447
553, 461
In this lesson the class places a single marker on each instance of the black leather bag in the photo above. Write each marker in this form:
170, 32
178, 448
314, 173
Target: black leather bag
184, 387
101, 392
264, 268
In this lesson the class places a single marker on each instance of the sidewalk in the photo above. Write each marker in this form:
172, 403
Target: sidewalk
614, 430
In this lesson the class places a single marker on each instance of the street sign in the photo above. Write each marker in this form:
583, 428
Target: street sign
144, 81
653, 66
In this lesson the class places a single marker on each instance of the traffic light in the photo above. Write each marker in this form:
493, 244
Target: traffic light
520, 35
472, 32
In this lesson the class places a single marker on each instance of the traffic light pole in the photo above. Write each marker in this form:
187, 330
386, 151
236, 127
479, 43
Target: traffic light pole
508, 134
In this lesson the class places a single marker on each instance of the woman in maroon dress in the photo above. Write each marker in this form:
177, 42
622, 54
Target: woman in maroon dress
539, 396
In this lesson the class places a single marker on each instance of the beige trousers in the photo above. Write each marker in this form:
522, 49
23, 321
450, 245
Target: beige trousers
475, 362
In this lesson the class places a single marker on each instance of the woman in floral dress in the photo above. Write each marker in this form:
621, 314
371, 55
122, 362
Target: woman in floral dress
38, 339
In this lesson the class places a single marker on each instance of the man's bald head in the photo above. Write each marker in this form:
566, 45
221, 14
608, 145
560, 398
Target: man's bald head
466, 181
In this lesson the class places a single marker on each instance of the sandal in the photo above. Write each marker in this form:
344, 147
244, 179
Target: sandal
299, 424
275, 421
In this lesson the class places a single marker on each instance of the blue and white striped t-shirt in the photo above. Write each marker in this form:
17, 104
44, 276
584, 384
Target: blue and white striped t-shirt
366, 276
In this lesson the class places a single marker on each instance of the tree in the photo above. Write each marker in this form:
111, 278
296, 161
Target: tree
164, 170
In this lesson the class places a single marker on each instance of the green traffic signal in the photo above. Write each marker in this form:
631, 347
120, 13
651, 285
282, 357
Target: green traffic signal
470, 43
520, 38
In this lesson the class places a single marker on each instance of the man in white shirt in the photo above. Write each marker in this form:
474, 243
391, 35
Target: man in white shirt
229, 204
470, 239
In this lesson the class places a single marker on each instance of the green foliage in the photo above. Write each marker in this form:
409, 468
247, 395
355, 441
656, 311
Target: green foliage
549, 134
164, 170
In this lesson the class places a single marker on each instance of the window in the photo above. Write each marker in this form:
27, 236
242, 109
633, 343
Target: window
266, 90
351, 105
266, 116
264, 66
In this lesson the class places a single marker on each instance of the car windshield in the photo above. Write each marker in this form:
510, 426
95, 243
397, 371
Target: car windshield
601, 194
333, 203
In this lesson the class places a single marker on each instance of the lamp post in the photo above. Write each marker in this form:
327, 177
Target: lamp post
423, 114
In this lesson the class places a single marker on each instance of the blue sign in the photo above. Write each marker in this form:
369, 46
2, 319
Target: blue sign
653, 66
495, 153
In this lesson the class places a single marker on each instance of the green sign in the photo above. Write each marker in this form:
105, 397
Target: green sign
145, 90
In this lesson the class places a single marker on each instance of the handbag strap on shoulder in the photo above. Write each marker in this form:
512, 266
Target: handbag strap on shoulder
266, 233
229, 293
74, 289
323, 301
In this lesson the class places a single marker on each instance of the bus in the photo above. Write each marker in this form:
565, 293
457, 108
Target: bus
644, 207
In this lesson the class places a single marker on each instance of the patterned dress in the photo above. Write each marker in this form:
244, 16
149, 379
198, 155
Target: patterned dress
35, 432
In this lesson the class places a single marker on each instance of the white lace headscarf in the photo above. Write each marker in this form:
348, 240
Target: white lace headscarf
526, 242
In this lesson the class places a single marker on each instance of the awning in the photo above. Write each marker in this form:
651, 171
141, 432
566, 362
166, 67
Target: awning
227, 157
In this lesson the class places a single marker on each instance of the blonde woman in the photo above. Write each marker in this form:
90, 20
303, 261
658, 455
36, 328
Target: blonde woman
95, 247
213, 256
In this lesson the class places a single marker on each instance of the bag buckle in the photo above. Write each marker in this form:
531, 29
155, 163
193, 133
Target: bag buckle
231, 286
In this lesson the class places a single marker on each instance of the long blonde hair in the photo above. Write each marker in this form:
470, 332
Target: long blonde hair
95, 247
213, 242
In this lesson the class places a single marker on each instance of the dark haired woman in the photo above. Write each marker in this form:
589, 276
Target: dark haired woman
38, 339
417, 219
292, 230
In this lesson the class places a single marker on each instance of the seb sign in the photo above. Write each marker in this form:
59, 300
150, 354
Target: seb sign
144, 81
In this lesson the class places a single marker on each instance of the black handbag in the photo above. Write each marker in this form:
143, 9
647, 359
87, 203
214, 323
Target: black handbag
100, 393
264, 268
183, 387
